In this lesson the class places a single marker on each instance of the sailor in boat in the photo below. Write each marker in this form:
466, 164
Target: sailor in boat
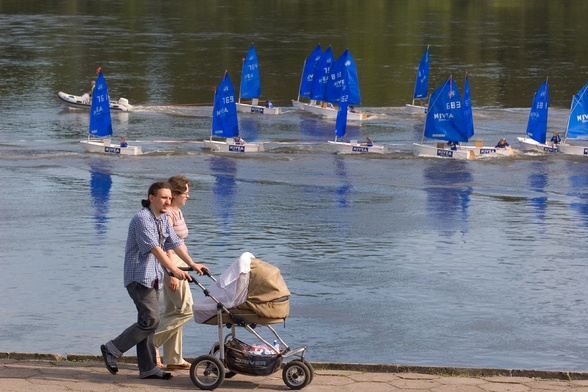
123, 142
454, 145
268, 104
238, 140
502, 143
368, 142
555, 139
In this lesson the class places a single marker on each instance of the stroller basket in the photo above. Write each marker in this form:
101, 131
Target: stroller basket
240, 357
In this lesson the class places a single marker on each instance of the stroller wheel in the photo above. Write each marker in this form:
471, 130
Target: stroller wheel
207, 372
215, 351
296, 375
309, 366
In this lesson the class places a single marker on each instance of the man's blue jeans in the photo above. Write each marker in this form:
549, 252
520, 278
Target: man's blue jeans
141, 333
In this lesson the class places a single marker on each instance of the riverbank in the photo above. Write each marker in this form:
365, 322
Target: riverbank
51, 372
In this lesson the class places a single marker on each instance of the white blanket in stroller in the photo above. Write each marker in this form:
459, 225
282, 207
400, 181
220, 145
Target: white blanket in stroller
230, 289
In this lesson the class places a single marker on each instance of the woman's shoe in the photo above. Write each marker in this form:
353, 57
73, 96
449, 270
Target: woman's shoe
182, 366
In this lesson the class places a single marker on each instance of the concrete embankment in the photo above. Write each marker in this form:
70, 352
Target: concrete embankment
51, 372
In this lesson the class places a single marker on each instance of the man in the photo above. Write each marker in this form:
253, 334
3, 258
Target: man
150, 236
502, 143
555, 139
238, 140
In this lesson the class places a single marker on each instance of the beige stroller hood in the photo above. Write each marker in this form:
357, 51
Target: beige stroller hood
267, 295
250, 288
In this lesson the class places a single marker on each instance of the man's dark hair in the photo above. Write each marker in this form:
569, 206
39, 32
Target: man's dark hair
153, 189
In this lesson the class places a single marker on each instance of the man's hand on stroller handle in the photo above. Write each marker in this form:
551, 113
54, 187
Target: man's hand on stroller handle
181, 273
200, 268
204, 270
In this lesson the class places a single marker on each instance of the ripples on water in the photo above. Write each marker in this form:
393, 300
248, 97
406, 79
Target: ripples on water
390, 259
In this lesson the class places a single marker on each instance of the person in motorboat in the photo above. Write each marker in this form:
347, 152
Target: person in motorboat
87, 97
502, 143
454, 145
123, 142
238, 140
268, 104
368, 142
93, 84
555, 139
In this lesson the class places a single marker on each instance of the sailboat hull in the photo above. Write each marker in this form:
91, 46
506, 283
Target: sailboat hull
223, 146
356, 148
489, 152
528, 144
104, 146
416, 109
424, 150
246, 108
331, 112
568, 149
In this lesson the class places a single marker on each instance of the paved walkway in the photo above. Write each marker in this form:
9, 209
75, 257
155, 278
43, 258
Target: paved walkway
48, 373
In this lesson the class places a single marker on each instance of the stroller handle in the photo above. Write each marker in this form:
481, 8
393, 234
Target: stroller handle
205, 272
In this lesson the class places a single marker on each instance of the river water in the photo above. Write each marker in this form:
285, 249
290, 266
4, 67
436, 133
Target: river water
389, 258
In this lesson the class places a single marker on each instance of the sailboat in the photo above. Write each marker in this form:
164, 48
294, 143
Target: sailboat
478, 148
307, 76
537, 124
225, 123
421, 86
323, 98
351, 147
577, 128
251, 87
445, 121
100, 129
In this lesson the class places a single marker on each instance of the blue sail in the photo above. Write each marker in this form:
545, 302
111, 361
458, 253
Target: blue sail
224, 113
578, 120
537, 124
100, 120
343, 74
341, 122
308, 71
321, 75
250, 79
421, 87
445, 118
467, 109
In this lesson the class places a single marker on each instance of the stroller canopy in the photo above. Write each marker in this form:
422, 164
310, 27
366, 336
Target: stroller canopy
248, 286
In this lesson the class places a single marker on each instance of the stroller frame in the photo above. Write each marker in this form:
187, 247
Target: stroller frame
209, 371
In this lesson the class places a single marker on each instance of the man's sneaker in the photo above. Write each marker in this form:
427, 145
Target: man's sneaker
109, 360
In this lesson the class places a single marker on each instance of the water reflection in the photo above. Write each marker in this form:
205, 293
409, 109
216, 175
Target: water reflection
249, 126
342, 191
579, 185
448, 194
315, 129
224, 171
537, 181
100, 184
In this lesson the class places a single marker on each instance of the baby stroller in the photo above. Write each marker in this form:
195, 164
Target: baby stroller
249, 294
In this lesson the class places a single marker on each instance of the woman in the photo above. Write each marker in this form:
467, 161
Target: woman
177, 294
